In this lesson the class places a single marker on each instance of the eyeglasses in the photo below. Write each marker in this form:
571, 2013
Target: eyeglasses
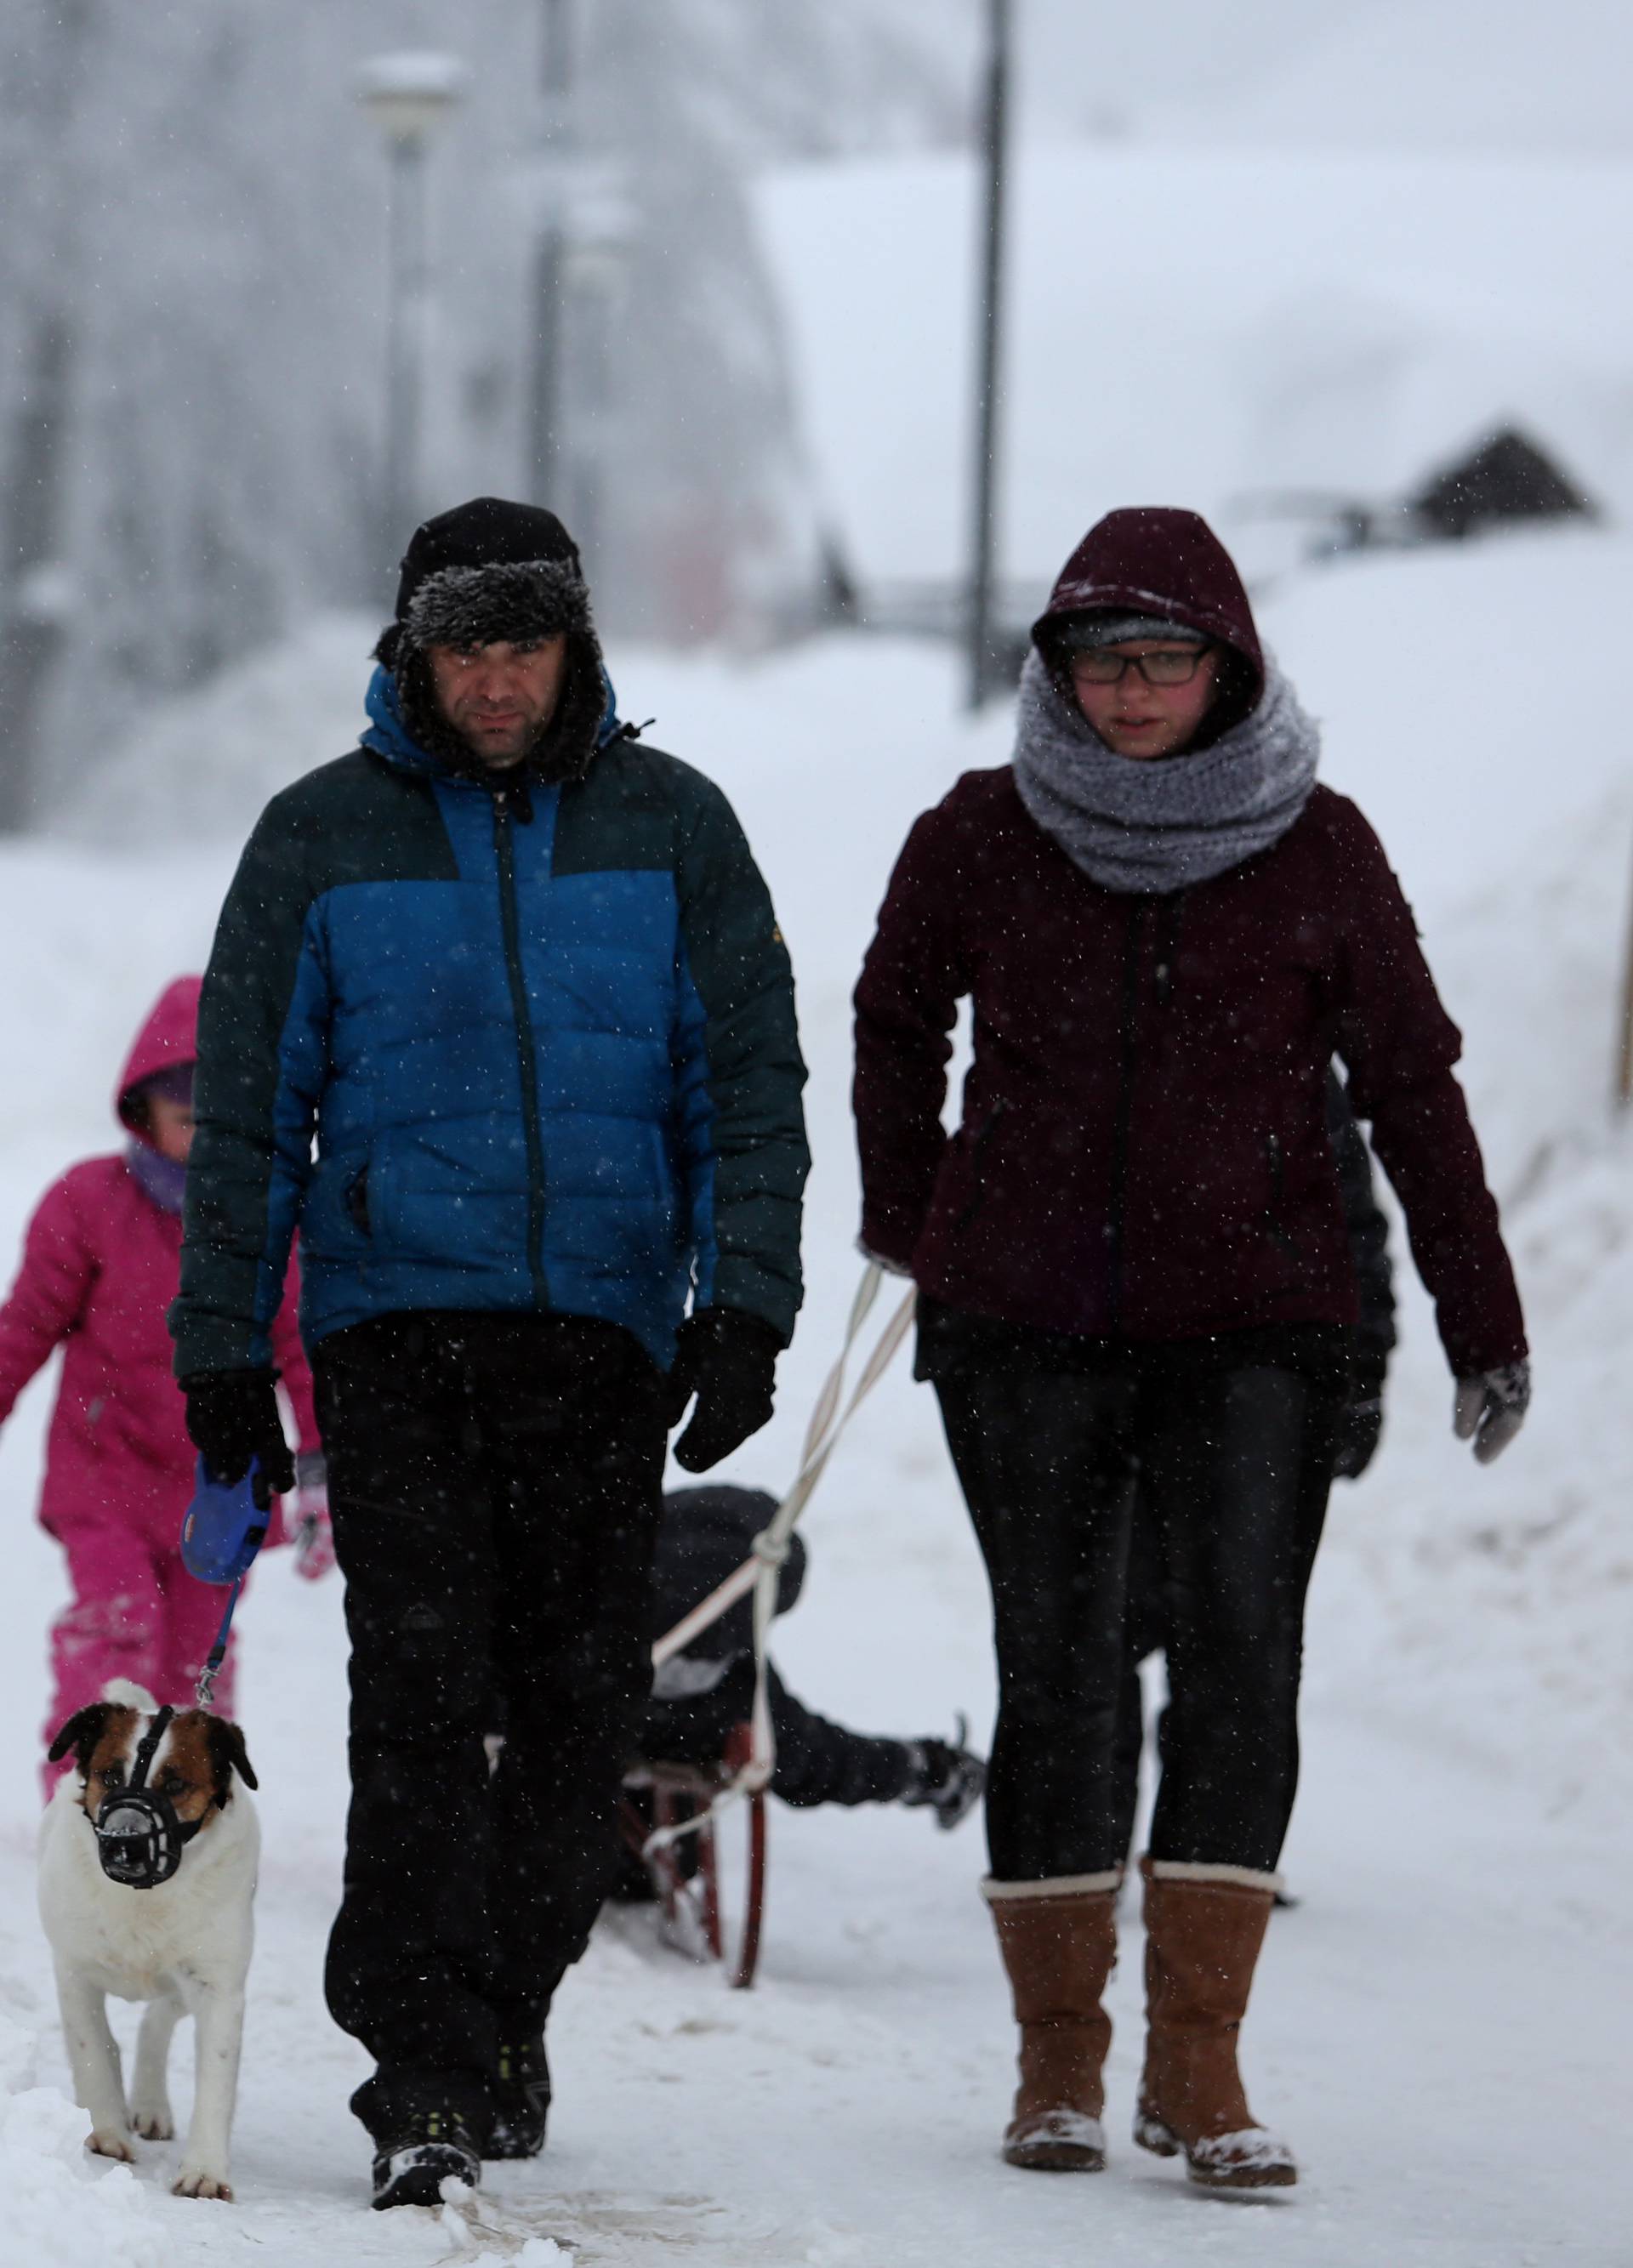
1100, 665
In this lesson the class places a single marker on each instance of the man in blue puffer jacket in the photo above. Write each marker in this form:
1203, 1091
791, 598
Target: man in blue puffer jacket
499, 1019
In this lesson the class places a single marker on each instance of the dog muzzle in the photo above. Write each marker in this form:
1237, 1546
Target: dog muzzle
139, 1837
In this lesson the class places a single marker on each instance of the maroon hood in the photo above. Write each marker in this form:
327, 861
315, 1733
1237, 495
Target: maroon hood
168, 1039
1152, 560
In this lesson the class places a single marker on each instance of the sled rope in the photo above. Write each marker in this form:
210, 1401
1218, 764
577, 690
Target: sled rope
759, 1572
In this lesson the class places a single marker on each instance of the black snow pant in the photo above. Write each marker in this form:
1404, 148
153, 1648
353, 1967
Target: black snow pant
494, 1483
1230, 1468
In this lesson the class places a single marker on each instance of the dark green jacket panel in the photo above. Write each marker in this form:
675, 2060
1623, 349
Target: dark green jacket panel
256, 1095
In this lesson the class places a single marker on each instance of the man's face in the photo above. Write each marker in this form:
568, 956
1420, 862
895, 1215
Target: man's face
1134, 718
500, 698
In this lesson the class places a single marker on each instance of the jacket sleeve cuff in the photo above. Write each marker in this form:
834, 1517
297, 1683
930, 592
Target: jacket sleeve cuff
771, 1299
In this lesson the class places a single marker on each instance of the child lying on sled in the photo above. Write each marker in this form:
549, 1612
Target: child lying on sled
701, 1695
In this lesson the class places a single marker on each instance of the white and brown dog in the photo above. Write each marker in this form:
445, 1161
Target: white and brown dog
147, 1879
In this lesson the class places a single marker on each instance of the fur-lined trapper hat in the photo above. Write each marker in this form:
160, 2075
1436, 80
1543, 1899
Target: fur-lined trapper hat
491, 572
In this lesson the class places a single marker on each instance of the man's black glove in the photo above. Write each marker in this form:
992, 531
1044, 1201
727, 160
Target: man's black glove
233, 1417
945, 1775
729, 1361
1359, 1427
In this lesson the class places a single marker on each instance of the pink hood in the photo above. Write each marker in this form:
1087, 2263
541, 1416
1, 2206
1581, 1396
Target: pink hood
168, 1039
101, 1265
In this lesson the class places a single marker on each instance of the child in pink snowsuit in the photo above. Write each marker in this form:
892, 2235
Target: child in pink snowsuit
101, 1264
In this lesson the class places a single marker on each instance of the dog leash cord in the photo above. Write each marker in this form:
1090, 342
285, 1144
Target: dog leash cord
211, 1669
759, 1572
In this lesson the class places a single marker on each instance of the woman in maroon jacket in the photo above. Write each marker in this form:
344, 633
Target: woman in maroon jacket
1131, 1258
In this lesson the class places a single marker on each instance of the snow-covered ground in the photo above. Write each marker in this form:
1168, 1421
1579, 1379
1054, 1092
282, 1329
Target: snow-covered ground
1441, 2025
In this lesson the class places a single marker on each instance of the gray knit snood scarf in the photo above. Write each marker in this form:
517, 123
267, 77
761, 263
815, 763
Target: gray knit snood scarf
1162, 824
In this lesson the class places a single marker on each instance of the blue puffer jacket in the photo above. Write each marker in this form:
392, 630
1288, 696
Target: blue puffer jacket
543, 1038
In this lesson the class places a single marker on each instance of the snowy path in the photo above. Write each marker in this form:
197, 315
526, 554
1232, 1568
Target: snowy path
1441, 2029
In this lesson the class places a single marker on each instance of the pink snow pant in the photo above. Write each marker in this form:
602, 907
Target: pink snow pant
135, 1612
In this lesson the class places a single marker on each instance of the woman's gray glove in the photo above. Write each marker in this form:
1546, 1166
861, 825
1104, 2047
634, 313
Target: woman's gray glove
1490, 1409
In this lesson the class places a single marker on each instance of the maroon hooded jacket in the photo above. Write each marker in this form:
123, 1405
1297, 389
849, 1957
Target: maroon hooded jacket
1143, 1151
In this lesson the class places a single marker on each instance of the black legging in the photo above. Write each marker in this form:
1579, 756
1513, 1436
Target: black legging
1145, 1631
1232, 1470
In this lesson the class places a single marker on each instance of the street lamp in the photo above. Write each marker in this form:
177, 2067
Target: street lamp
408, 96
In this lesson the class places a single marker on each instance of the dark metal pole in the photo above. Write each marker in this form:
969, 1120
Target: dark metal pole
988, 344
546, 442
1624, 1037
34, 606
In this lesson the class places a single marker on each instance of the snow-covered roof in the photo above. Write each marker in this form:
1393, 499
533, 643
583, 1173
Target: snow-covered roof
1191, 327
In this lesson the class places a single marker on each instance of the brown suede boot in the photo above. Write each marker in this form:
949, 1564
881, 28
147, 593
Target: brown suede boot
1203, 1928
1058, 1943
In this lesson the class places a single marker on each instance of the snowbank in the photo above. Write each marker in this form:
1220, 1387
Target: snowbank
1191, 324
1495, 1607
61, 2210
1463, 697
199, 768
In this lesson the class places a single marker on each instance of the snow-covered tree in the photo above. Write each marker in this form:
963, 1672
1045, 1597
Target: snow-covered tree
192, 317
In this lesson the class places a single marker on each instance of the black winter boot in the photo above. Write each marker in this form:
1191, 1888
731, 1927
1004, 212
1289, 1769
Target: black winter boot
429, 2147
521, 2100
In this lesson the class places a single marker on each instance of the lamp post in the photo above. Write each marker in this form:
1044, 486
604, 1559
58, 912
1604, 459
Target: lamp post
601, 235
408, 96
545, 378
584, 225
994, 150
1624, 1033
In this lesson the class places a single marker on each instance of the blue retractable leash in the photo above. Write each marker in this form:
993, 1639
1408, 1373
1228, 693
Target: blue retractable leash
224, 1529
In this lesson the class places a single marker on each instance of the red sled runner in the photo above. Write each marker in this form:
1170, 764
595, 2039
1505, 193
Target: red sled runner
685, 1873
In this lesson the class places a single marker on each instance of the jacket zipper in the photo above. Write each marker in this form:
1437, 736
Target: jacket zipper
1132, 937
1276, 1226
510, 925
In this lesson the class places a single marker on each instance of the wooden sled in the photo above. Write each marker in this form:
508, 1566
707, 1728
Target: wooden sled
686, 1875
